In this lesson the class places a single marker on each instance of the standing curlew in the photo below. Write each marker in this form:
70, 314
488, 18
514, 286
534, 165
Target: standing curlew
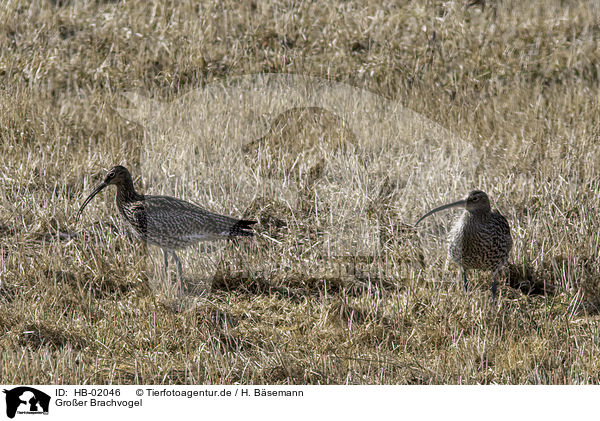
480, 239
165, 221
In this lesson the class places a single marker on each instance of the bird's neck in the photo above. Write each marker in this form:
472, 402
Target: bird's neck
478, 215
126, 192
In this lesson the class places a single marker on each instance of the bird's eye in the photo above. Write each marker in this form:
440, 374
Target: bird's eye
110, 174
475, 199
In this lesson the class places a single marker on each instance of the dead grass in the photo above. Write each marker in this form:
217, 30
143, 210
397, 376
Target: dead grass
514, 84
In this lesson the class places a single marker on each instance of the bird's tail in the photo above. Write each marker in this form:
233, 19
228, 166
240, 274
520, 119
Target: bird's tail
242, 228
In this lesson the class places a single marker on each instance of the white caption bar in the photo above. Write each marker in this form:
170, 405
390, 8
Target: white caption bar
44, 402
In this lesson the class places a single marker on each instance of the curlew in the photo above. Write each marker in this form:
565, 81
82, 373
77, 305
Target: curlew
480, 239
167, 222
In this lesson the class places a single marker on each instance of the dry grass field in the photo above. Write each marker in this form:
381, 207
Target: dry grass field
412, 104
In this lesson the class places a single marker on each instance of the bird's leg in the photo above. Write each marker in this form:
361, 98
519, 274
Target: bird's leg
166, 260
465, 281
179, 270
494, 286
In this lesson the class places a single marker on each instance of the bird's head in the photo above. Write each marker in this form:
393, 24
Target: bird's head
476, 202
118, 175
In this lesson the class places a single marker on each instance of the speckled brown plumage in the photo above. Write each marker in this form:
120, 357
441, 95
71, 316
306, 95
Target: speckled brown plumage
167, 222
480, 239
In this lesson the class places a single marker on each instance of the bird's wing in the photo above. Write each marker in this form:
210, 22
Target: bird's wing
504, 228
186, 220
503, 223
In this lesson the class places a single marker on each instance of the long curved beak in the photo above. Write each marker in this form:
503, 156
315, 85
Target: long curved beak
90, 197
449, 205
